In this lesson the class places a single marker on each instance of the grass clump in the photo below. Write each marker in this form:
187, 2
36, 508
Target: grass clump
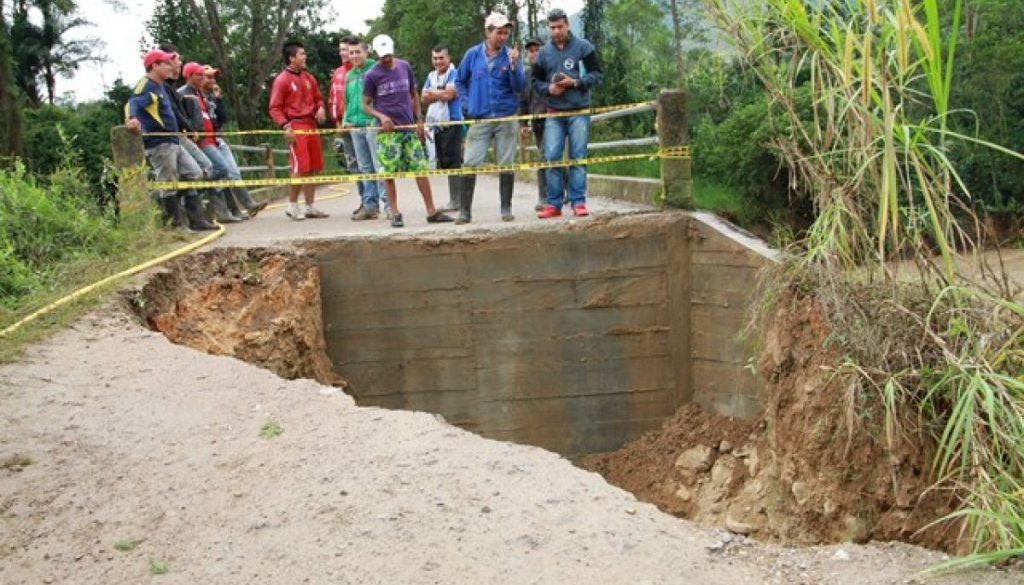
157, 567
126, 545
270, 429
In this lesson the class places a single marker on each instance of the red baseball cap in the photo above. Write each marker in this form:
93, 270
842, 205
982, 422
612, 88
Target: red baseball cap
156, 56
192, 68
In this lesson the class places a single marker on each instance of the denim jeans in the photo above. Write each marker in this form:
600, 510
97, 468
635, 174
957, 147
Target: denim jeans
505, 136
577, 128
365, 142
224, 165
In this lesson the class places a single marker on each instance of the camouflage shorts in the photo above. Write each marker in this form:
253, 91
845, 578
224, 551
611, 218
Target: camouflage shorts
401, 152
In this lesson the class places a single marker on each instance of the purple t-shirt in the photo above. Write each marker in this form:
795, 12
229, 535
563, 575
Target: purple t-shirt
390, 91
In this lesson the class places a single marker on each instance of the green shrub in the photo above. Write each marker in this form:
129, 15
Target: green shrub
42, 226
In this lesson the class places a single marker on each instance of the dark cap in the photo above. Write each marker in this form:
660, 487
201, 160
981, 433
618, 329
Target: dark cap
557, 14
534, 42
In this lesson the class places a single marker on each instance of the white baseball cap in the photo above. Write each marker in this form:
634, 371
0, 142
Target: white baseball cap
383, 45
496, 20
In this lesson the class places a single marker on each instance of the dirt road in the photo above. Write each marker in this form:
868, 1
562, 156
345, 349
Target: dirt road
113, 438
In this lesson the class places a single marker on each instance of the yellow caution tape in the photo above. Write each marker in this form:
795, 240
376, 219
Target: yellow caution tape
682, 152
131, 271
123, 274
522, 118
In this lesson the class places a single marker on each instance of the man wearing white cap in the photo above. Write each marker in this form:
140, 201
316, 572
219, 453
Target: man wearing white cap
489, 82
389, 94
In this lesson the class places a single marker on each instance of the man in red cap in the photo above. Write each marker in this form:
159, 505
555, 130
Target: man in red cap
200, 108
297, 106
150, 112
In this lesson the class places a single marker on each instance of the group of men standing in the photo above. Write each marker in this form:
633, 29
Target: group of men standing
377, 107
471, 107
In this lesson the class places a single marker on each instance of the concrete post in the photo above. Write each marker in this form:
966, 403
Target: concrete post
130, 162
268, 160
676, 178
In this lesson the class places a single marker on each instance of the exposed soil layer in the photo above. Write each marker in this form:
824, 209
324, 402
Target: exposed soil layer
260, 306
815, 468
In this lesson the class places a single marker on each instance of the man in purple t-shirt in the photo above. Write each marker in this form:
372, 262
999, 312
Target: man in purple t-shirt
389, 94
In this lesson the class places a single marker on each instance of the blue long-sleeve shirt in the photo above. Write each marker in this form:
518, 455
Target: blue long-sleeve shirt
490, 91
578, 60
151, 106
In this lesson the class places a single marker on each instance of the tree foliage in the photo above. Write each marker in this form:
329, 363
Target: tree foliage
43, 51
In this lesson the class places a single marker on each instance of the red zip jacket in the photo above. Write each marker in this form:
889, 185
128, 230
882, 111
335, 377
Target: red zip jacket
295, 95
336, 96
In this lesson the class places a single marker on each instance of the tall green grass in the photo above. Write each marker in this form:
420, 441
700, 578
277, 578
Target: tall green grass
55, 238
873, 157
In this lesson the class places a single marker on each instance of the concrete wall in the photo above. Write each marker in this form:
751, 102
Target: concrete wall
576, 339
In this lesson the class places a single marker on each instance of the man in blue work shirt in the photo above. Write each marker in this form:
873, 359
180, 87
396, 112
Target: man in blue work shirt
489, 82
150, 112
565, 70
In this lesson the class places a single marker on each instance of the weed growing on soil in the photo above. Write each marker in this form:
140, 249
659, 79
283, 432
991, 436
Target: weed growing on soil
125, 545
16, 461
270, 429
157, 567
864, 86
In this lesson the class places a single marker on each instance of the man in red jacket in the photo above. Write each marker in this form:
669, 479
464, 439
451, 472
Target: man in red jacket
297, 106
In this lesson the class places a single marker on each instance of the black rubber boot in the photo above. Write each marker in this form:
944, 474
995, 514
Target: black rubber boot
466, 199
233, 207
506, 182
454, 193
251, 205
173, 213
221, 211
194, 211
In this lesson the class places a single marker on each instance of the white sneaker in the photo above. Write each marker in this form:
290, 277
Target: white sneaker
295, 213
314, 213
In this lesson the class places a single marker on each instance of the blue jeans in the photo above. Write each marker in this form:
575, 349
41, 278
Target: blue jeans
224, 165
365, 142
577, 128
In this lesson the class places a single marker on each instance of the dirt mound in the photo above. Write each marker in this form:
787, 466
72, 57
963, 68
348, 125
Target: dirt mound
260, 306
815, 468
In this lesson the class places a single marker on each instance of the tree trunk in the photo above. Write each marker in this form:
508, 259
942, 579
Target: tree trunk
677, 41
264, 52
10, 114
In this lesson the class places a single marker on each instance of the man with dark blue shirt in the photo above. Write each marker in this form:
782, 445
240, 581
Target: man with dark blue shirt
565, 70
150, 112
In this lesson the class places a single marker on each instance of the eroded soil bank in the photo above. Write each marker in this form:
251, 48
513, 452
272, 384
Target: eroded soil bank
261, 306
812, 469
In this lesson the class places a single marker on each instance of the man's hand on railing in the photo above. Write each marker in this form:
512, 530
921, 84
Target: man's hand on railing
133, 125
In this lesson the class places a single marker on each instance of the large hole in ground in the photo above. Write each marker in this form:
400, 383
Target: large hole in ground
612, 342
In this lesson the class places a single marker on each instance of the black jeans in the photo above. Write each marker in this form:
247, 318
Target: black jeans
448, 144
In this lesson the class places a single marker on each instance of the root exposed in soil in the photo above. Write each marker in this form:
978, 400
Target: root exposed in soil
260, 306
815, 468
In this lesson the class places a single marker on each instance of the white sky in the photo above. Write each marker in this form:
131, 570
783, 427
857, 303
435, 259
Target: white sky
122, 28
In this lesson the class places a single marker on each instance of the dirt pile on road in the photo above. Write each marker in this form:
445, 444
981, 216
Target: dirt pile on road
816, 467
260, 306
